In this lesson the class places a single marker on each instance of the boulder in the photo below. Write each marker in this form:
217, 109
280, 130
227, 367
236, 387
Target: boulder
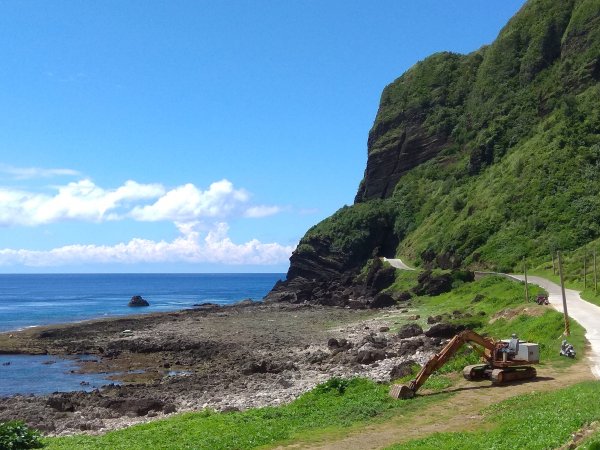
444, 330
370, 356
137, 300
401, 370
382, 300
402, 296
134, 407
409, 347
433, 284
410, 330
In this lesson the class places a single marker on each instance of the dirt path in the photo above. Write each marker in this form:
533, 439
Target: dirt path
461, 412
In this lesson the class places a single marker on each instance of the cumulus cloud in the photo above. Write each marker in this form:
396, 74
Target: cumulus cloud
24, 173
188, 203
261, 211
83, 200
79, 200
191, 247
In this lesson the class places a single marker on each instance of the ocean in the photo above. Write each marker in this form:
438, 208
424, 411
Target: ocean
33, 300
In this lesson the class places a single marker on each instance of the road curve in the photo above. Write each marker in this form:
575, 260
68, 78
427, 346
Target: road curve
587, 314
398, 264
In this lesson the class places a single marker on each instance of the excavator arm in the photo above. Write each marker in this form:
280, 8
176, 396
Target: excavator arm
441, 358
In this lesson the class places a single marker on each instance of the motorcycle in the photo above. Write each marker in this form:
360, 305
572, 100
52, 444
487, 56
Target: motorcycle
567, 350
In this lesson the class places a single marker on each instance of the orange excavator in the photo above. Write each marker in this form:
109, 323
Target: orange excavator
502, 361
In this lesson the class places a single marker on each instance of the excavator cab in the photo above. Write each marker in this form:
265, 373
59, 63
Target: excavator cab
502, 361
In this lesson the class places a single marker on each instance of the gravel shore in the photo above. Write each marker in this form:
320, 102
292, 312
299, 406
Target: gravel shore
222, 358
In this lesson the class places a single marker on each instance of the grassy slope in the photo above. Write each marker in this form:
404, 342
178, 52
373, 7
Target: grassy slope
520, 175
325, 409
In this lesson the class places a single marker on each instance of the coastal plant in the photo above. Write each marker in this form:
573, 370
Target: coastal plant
15, 435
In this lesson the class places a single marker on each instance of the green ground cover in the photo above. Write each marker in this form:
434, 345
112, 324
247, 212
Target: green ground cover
528, 422
480, 304
337, 404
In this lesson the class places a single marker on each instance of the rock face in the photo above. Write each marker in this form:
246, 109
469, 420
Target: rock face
338, 288
137, 300
401, 138
460, 146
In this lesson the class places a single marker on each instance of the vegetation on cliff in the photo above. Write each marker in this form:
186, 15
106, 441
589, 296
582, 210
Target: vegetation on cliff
479, 160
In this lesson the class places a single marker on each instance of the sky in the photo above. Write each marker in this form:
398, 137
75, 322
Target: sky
197, 136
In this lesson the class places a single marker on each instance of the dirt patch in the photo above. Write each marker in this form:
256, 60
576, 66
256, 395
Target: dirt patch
522, 310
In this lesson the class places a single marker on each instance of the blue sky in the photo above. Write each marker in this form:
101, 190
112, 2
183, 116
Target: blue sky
182, 136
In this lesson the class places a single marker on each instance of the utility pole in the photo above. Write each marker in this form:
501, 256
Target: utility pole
526, 286
585, 269
595, 276
553, 265
564, 296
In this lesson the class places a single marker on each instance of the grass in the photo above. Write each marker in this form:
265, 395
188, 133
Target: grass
340, 406
527, 422
336, 404
480, 303
591, 443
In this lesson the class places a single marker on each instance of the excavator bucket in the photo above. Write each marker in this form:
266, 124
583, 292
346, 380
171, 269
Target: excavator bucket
401, 391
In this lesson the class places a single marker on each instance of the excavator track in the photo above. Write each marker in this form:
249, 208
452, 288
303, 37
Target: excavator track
475, 372
500, 376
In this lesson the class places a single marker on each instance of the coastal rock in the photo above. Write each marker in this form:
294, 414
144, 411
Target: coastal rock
444, 330
137, 300
410, 330
401, 370
135, 407
382, 300
370, 356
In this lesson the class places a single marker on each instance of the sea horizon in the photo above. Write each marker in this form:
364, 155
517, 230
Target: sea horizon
35, 299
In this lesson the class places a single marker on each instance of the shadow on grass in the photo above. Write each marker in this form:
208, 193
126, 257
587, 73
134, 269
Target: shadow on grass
478, 386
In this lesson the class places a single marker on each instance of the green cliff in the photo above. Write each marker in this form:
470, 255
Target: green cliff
478, 160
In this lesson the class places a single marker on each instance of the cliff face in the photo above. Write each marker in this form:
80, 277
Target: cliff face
416, 116
474, 160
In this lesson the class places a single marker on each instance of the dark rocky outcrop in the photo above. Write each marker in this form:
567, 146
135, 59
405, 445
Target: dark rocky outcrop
444, 330
357, 291
137, 301
402, 369
410, 330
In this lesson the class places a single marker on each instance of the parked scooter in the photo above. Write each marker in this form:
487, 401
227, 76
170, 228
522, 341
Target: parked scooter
567, 349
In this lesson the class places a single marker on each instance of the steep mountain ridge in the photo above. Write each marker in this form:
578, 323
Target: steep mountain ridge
474, 160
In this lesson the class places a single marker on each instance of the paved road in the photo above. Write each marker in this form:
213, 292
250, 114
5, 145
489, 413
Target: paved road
398, 264
587, 314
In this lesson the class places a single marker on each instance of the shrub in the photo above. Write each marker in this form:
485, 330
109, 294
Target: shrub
15, 435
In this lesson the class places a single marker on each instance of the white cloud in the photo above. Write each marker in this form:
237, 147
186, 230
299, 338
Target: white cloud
85, 201
261, 211
188, 203
216, 247
24, 173
80, 200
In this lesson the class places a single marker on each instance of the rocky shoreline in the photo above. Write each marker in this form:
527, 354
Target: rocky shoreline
222, 358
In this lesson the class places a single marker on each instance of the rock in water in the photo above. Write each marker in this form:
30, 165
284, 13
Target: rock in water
137, 300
